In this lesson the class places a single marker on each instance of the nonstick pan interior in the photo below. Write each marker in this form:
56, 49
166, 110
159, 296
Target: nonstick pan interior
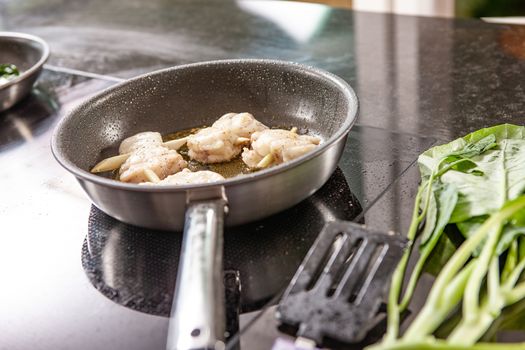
280, 94
176, 99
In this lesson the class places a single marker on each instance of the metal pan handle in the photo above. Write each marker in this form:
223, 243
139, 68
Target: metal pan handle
197, 316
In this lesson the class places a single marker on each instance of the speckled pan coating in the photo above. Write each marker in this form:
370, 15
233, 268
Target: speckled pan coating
277, 93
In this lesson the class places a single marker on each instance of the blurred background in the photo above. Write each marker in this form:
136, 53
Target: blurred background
486, 9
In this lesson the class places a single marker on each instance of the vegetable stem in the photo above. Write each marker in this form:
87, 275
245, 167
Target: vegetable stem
425, 253
393, 309
437, 344
430, 318
515, 294
482, 195
471, 300
477, 319
437, 307
514, 275
510, 262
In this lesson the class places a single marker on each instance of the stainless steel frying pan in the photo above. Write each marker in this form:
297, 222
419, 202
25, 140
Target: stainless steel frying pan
277, 93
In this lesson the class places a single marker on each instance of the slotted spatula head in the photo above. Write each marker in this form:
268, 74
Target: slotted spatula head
339, 287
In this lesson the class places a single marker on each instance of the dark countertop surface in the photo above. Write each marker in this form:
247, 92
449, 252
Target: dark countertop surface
419, 80
437, 77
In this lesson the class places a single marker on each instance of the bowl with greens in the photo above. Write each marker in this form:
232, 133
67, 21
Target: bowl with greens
22, 57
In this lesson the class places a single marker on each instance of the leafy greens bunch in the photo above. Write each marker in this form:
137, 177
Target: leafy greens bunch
474, 185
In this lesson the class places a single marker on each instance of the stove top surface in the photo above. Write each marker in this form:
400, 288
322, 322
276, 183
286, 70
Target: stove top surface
137, 267
66, 266
80, 273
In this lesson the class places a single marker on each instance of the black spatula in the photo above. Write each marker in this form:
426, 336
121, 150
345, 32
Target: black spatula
338, 289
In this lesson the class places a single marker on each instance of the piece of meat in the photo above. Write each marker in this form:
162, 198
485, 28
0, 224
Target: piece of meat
240, 124
282, 145
213, 145
140, 140
187, 177
147, 152
223, 141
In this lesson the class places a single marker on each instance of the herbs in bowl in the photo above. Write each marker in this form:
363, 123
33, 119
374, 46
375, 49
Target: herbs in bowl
8, 72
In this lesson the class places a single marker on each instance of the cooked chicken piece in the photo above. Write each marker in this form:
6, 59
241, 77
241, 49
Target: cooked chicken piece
148, 158
187, 177
159, 160
239, 124
140, 140
272, 147
144, 139
213, 145
224, 139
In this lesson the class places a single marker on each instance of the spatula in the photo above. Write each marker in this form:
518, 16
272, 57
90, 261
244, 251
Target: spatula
337, 291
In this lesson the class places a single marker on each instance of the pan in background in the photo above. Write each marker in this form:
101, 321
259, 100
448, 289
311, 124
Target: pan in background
28, 53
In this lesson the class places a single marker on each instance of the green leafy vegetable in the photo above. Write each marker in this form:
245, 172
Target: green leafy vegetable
440, 255
475, 183
447, 199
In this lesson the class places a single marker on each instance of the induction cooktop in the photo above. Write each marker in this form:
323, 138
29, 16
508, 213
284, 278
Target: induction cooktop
90, 281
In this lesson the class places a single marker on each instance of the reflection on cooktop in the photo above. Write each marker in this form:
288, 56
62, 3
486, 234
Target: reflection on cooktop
26, 119
137, 268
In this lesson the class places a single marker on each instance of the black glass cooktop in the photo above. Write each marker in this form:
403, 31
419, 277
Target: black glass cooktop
110, 285
136, 267
75, 279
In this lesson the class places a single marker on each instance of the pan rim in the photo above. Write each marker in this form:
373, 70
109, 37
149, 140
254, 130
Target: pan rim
342, 132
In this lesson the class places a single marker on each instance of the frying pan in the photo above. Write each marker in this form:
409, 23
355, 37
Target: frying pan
277, 93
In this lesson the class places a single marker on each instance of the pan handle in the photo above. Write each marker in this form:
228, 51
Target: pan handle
197, 316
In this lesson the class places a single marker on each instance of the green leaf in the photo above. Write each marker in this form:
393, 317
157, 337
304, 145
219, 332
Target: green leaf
509, 234
469, 227
472, 149
463, 165
442, 252
429, 160
502, 132
503, 179
430, 219
447, 199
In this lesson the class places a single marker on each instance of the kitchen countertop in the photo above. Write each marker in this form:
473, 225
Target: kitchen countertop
430, 76
419, 81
